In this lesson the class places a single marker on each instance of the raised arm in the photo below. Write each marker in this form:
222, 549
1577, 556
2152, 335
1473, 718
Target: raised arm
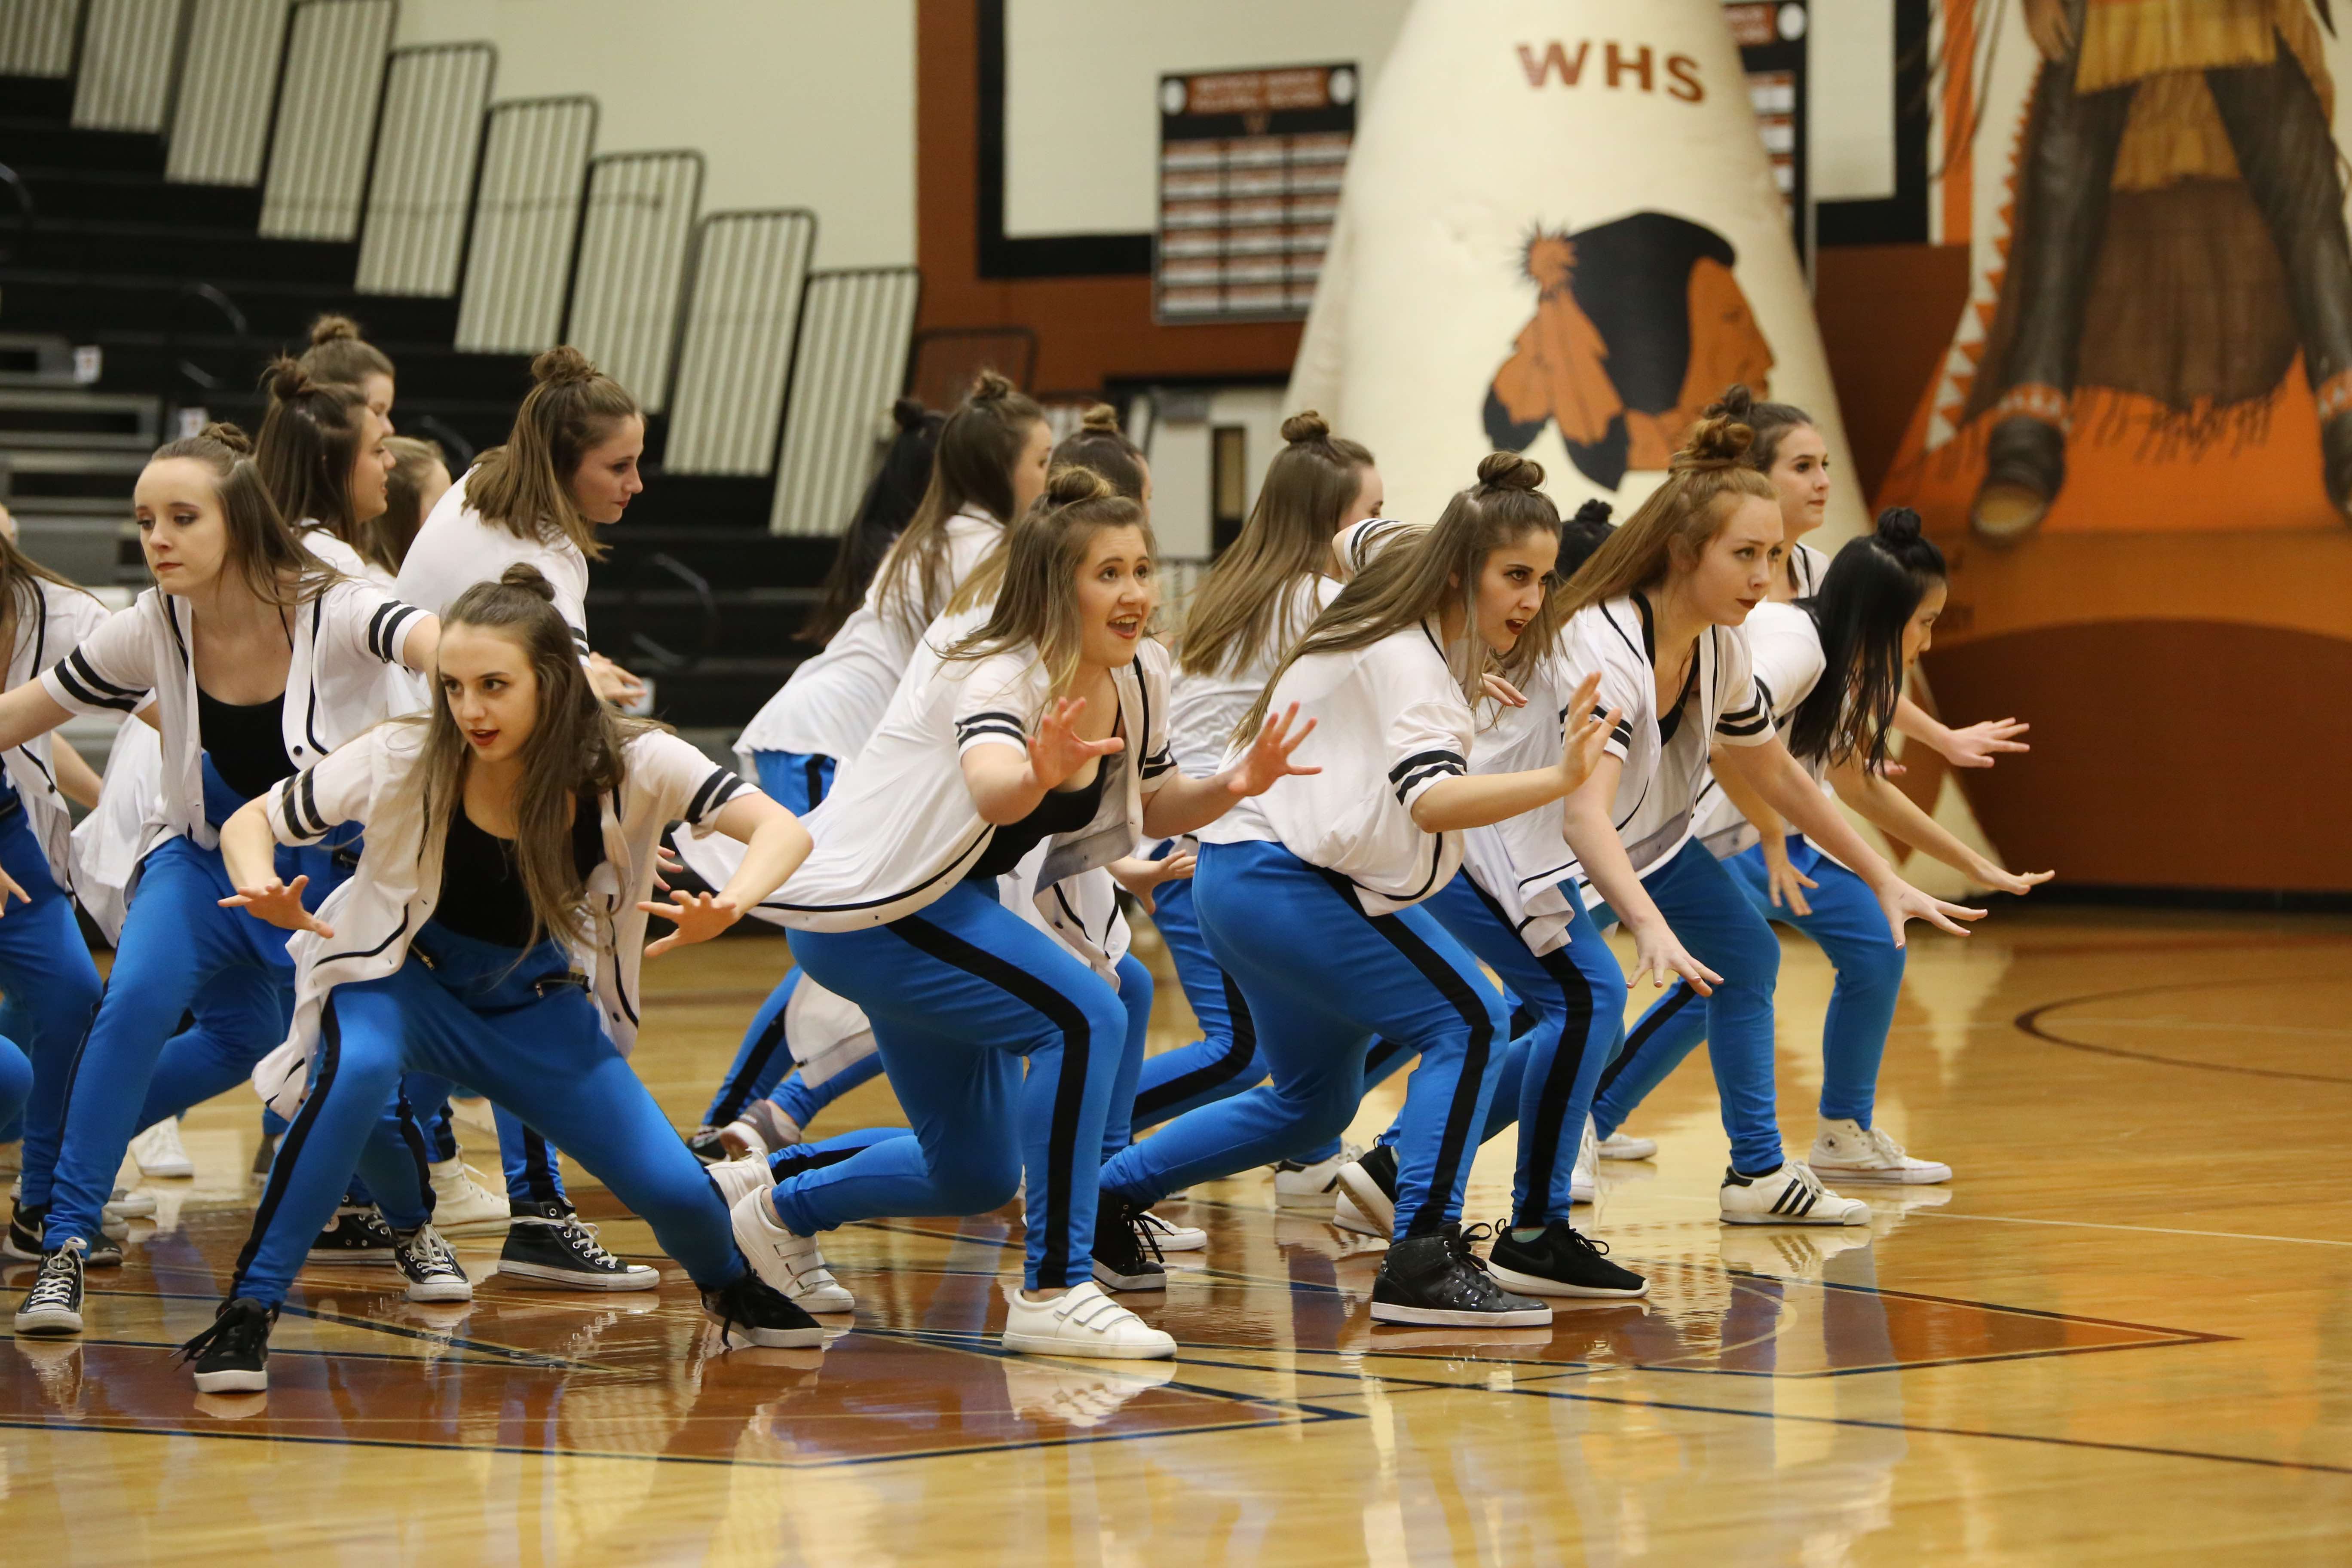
774, 845
1976, 746
1475, 800
1008, 773
249, 853
1174, 804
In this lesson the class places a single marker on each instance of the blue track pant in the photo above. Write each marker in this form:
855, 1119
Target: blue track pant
1712, 916
1851, 928
52, 989
963, 997
1322, 980
524, 1036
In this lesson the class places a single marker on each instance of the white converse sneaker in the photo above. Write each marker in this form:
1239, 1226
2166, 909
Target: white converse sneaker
789, 1263
734, 1178
1171, 1236
462, 1202
1312, 1188
1853, 1152
1790, 1196
160, 1151
128, 1202
1081, 1321
1581, 1182
1623, 1145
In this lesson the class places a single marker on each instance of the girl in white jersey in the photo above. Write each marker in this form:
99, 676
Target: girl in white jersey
492, 932
989, 465
1830, 667
1312, 898
1657, 616
322, 453
1038, 720
338, 353
567, 469
238, 644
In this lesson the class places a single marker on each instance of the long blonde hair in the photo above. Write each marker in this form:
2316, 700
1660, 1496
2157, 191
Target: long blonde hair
1669, 532
1245, 607
1419, 575
578, 744
525, 485
1037, 602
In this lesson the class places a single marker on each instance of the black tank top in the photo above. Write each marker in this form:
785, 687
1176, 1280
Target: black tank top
1062, 811
246, 740
482, 895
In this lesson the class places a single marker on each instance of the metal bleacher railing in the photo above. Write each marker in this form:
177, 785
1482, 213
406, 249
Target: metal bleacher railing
762, 366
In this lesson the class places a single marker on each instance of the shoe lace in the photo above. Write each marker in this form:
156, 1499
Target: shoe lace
427, 1251
236, 1327
582, 1235
1463, 1238
1802, 1174
1884, 1147
60, 1272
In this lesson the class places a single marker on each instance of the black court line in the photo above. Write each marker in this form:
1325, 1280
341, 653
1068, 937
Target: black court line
398, 1330
2030, 1022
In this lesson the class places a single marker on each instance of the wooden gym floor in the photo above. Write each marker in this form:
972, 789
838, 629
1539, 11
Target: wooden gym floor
2124, 1334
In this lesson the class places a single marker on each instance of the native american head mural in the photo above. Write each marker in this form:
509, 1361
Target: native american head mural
1639, 324
2138, 447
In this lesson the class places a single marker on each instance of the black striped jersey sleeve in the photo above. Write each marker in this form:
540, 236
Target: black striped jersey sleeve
111, 672
1425, 734
304, 807
1746, 719
992, 704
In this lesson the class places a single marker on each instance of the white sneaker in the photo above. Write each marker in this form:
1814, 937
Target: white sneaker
734, 1178
1312, 1188
160, 1151
1623, 1145
1580, 1183
1346, 1217
789, 1263
1171, 1236
1790, 1196
762, 1129
1081, 1321
128, 1204
462, 1202
1858, 1154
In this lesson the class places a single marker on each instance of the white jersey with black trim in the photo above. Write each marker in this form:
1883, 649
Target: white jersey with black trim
396, 886
456, 548
899, 829
1355, 545
1662, 756
830, 706
1785, 644
1390, 722
343, 639
51, 620
1204, 709
1807, 567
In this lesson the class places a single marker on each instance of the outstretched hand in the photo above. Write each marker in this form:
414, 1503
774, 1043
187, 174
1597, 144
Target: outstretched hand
280, 904
1268, 758
1056, 751
2001, 880
1903, 902
1140, 877
698, 918
1658, 952
1586, 739
1981, 744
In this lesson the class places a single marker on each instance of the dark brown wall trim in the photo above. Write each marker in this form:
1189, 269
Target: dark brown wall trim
1062, 255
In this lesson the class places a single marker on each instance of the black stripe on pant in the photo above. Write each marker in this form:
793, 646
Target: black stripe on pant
327, 1057
1541, 1142
1458, 1144
539, 1170
738, 1092
1063, 1148
1155, 1106
1643, 1033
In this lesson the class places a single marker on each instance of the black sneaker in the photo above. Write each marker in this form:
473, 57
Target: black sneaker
53, 1305
549, 1243
751, 1311
1368, 1188
1438, 1279
1559, 1262
1127, 1256
426, 1262
24, 1242
233, 1355
356, 1234
703, 1144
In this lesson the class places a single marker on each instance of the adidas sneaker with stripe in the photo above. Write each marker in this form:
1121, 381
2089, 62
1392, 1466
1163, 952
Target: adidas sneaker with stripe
1790, 1196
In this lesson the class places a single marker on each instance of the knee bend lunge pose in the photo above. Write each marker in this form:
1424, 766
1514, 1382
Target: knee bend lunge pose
240, 644
1830, 667
983, 466
1657, 616
509, 846
1311, 897
1040, 719
568, 468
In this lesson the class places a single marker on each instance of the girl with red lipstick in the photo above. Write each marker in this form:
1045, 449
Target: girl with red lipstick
510, 853
242, 642
1657, 615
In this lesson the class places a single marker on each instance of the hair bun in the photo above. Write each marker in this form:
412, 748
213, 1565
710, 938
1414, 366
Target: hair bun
990, 386
1307, 426
908, 413
1100, 417
1736, 403
1071, 484
524, 575
1899, 525
561, 365
285, 380
1595, 513
1509, 472
1719, 440
230, 436
333, 329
